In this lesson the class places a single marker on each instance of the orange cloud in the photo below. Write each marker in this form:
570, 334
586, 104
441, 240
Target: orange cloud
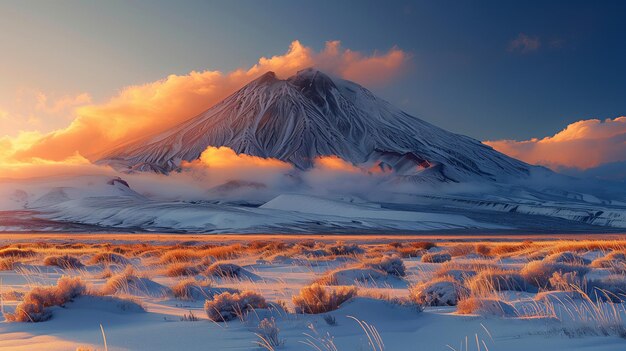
218, 165
32, 110
221, 158
367, 70
141, 110
60, 104
583, 144
335, 163
43, 168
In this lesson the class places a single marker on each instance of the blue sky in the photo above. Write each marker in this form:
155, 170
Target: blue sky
465, 75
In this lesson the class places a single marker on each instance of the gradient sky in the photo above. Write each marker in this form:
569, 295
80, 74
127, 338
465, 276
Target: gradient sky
488, 69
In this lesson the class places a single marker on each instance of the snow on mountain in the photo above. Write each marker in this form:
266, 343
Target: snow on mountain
310, 115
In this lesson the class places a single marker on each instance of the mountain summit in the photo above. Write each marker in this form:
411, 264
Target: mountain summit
309, 115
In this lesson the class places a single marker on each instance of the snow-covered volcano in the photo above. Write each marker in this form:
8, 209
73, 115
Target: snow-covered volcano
310, 115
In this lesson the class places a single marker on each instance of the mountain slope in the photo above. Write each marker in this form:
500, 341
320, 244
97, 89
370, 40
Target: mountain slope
310, 115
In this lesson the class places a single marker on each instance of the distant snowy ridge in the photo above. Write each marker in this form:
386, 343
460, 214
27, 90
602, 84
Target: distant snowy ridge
589, 213
113, 205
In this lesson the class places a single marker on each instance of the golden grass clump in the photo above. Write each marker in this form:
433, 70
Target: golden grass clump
588, 245
408, 252
191, 289
109, 258
513, 249
180, 255
436, 257
422, 245
486, 306
538, 273
392, 265
228, 306
224, 252
461, 250
225, 270
12, 295
316, 298
410, 249
177, 269
343, 249
121, 281
567, 257
443, 291
497, 279
268, 246
205, 253
34, 307
16, 253
7, 264
64, 261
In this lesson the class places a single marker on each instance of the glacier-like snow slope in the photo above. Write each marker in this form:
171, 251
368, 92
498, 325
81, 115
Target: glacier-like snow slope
105, 203
327, 207
102, 203
600, 214
310, 115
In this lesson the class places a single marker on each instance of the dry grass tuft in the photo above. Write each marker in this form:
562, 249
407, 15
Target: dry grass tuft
268, 335
567, 257
224, 252
389, 264
109, 258
538, 273
34, 307
65, 262
228, 306
511, 249
225, 270
444, 291
422, 245
7, 264
411, 249
17, 253
461, 250
316, 298
267, 247
190, 289
497, 279
121, 282
343, 249
178, 269
462, 271
12, 295
588, 245
439, 257
486, 307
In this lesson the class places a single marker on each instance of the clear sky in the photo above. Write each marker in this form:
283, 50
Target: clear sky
488, 69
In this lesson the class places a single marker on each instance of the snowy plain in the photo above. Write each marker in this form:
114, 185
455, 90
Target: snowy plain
278, 267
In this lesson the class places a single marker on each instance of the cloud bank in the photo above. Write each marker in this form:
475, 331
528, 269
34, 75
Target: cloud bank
153, 107
582, 145
524, 44
219, 174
